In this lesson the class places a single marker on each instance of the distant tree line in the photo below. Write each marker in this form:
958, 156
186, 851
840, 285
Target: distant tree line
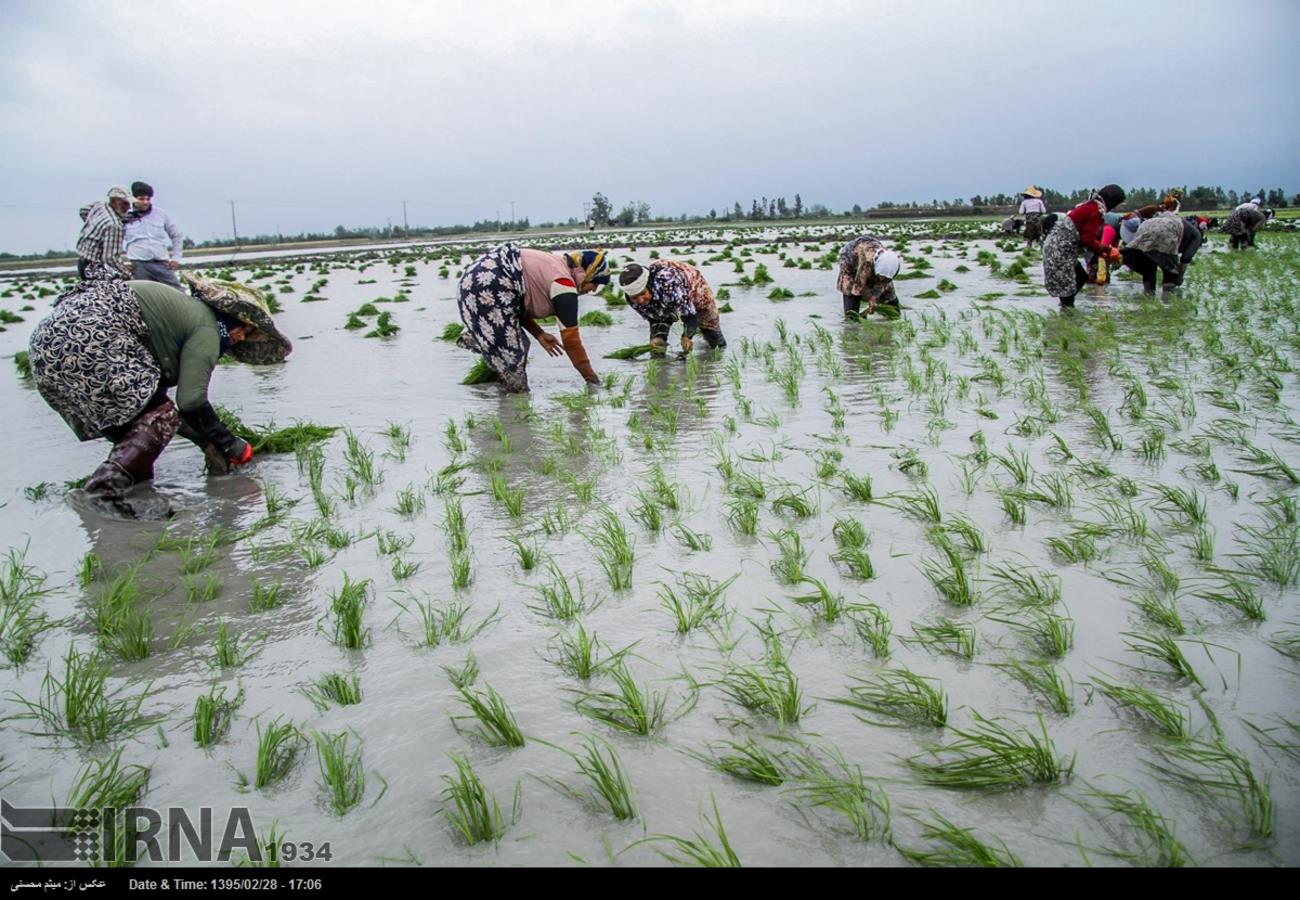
1199, 197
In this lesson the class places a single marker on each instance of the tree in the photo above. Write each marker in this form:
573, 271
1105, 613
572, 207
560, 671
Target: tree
626, 216
642, 212
713, 214
782, 208
755, 211
601, 209
737, 212
857, 209
798, 206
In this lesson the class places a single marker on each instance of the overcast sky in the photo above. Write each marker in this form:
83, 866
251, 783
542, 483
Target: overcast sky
317, 113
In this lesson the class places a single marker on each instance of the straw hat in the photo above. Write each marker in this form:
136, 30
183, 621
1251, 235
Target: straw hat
239, 301
1032, 191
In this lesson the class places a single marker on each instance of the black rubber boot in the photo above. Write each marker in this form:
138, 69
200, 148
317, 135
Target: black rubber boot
659, 337
714, 338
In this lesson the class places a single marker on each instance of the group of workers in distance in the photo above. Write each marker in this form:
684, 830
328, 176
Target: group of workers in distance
118, 340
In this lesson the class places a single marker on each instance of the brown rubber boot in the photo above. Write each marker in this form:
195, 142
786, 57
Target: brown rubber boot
132, 457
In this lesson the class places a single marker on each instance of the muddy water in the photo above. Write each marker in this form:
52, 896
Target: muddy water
405, 720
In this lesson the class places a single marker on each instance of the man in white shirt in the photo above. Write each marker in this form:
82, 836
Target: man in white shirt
153, 242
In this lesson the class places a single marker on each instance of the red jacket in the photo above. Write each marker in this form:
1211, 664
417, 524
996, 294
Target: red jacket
1087, 218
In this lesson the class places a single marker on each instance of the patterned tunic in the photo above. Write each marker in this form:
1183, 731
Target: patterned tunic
491, 306
679, 291
858, 271
1061, 252
90, 359
1243, 221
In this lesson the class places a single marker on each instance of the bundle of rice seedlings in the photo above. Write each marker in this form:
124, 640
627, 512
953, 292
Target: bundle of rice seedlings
480, 373
269, 439
631, 352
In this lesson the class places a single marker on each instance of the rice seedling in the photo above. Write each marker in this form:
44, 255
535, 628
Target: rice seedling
1171, 718
992, 756
1180, 502
1154, 833
632, 352
873, 626
80, 706
691, 539
511, 499
480, 373
1287, 643
699, 850
949, 575
453, 440
462, 569
1052, 634
1102, 431
900, 695
667, 493
747, 486
958, 847
842, 789
556, 520
970, 535
945, 636
1267, 464
557, 599
742, 515
89, 570
464, 675
647, 511
633, 709
1160, 610
1027, 585
579, 654
789, 567
1016, 464
1236, 593
296, 439
361, 461
923, 504
343, 775
475, 813
21, 619
347, 606
611, 788
701, 601
1045, 680
338, 688
1163, 648
1213, 770
496, 723
527, 553
202, 591
451, 331
616, 550
1271, 554
103, 787
1267, 738
213, 715
830, 606
794, 503
1202, 545
770, 689
1077, 546
410, 502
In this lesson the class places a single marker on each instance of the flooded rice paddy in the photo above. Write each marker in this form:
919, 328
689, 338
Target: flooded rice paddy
985, 584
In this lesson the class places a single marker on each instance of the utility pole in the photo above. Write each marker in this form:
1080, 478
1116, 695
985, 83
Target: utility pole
406, 226
233, 226
512, 214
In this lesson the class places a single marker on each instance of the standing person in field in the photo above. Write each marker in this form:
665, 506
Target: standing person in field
99, 246
1033, 209
505, 292
153, 242
668, 290
1166, 243
105, 357
1077, 231
1242, 223
867, 272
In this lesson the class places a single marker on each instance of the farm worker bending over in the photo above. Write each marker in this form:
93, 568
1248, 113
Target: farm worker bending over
867, 271
99, 246
1033, 209
1077, 231
1165, 242
104, 358
505, 292
669, 290
1243, 222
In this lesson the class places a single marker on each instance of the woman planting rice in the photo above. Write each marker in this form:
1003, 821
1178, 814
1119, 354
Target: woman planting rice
1243, 222
867, 272
1166, 243
1077, 231
1033, 209
505, 292
107, 354
666, 291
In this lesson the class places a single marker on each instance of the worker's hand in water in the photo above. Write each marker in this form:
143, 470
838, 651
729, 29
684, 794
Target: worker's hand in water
1113, 254
550, 344
240, 453
687, 344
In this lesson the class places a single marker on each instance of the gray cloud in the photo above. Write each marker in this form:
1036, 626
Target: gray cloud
314, 114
